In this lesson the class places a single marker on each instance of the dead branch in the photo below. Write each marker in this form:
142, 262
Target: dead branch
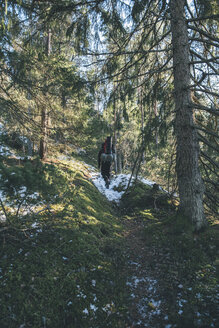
210, 160
201, 32
214, 94
214, 111
204, 60
206, 131
202, 18
204, 41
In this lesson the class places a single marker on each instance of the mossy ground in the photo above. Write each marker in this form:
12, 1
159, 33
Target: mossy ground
60, 264
65, 263
184, 262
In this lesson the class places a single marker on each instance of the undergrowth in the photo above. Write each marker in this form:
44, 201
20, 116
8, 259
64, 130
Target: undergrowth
62, 251
60, 258
185, 263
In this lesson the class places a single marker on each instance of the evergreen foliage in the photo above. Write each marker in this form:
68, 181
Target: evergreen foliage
73, 72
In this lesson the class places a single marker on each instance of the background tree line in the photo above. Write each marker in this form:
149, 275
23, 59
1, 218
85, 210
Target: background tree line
145, 71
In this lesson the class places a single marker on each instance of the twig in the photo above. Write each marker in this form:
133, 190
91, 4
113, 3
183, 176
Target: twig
5, 213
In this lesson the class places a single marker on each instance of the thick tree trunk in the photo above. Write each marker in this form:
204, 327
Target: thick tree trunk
191, 187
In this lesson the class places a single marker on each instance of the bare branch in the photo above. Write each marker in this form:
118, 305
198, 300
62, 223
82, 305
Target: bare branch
204, 41
201, 32
214, 94
210, 160
214, 111
202, 18
204, 60
206, 131
206, 142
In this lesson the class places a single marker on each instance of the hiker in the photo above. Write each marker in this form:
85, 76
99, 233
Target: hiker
105, 159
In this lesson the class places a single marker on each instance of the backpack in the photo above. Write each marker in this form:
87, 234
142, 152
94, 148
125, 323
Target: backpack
107, 156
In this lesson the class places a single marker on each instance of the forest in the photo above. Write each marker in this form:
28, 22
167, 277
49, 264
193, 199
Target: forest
141, 251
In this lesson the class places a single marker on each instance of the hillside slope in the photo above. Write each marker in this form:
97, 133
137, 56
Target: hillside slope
61, 261
71, 258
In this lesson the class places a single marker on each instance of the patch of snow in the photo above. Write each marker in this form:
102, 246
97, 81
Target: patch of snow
110, 194
81, 295
120, 180
4, 151
2, 218
85, 311
35, 225
93, 307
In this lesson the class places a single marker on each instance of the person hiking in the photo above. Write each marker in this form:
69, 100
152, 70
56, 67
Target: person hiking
105, 159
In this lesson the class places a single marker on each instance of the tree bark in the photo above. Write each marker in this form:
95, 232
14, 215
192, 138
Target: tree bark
43, 139
44, 114
115, 126
191, 187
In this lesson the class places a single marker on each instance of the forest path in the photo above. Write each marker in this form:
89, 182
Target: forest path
146, 307
146, 304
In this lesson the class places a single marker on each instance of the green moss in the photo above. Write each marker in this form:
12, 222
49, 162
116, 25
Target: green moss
60, 266
187, 260
141, 196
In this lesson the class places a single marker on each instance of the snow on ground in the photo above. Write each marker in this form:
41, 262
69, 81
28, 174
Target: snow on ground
111, 194
120, 180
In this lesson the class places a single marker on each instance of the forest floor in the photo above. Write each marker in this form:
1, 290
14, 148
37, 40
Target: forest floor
169, 280
74, 257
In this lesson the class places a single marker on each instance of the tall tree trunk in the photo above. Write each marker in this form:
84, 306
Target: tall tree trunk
140, 102
43, 139
191, 187
44, 113
115, 126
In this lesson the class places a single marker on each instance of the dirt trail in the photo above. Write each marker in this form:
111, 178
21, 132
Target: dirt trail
146, 305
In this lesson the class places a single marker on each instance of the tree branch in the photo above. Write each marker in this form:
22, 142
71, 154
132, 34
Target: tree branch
4, 210
205, 141
214, 111
214, 94
210, 160
204, 41
206, 131
208, 35
205, 60
202, 18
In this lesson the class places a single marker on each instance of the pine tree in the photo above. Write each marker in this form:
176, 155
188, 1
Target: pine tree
191, 187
